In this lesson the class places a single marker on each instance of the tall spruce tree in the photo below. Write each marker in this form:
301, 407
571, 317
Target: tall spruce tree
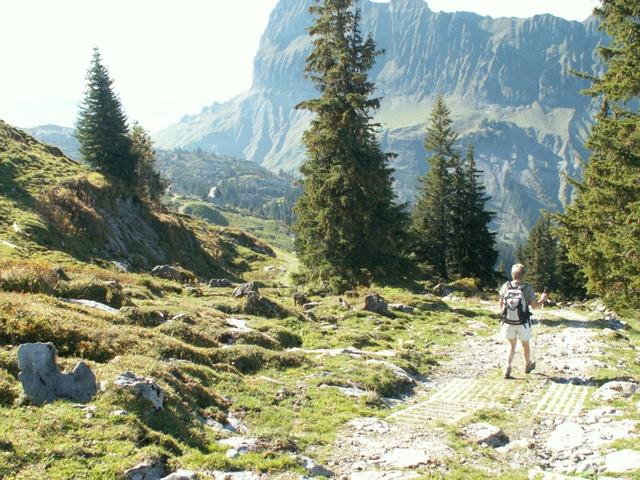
601, 229
101, 127
151, 185
348, 227
472, 245
431, 213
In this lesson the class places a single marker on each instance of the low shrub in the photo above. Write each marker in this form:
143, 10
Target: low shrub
27, 276
109, 293
141, 316
9, 388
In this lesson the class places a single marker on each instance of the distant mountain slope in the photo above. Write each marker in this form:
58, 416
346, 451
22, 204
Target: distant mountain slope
62, 137
222, 180
506, 80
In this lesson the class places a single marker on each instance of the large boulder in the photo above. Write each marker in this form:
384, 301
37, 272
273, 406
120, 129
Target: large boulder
614, 390
485, 433
169, 272
150, 470
182, 475
375, 303
220, 283
256, 304
145, 387
245, 289
300, 299
42, 380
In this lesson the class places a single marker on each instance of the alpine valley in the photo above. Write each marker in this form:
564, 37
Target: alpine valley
508, 82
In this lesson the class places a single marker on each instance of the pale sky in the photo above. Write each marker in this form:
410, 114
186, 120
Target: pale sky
168, 57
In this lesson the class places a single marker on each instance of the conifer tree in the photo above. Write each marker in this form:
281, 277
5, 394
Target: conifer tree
540, 255
472, 245
348, 227
431, 214
601, 229
151, 185
569, 280
101, 127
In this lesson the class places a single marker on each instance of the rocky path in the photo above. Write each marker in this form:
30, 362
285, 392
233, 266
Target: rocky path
557, 419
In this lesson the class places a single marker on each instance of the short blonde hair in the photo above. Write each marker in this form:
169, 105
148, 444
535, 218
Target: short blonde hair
518, 271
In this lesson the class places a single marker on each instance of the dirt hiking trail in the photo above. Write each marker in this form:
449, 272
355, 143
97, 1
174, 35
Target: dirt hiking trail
557, 422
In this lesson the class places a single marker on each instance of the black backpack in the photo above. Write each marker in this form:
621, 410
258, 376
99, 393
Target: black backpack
515, 309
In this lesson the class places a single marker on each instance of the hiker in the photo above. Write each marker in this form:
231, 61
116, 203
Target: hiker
515, 299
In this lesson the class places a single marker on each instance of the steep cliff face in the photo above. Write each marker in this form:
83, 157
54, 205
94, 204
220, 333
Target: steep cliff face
507, 82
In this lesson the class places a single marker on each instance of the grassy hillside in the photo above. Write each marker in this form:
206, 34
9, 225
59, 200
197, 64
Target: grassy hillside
61, 228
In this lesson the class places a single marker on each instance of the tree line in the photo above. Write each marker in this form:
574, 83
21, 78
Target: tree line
349, 227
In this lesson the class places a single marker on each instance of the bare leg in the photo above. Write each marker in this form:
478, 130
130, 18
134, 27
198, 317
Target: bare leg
526, 352
511, 350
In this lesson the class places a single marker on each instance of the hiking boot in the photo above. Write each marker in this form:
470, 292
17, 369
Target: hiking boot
507, 372
530, 366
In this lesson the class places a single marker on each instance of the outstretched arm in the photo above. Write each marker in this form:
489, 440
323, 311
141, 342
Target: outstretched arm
539, 303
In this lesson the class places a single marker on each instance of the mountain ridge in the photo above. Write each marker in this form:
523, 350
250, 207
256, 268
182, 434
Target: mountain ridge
508, 79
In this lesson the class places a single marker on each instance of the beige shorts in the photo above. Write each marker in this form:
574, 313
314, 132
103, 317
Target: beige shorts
511, 332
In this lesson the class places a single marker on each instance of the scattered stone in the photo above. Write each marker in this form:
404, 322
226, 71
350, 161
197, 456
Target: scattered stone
344, 304
622, 461
354, 392
237, 325
235, 475
310, 306
354, 352
245, 289
407, 458
442, 290
8, 244
398, 371
42, 380
120, 266
194, 291
614, 390
220, 283
169, 272
184, 318
300, 299
150, 470
239, 445
61, 274
401, 307
119, 413
256, 304
313, 468
476, 325
92, 304
182, 475
384, 475
375, 303
143, 386
566, 436
594, 416
485, 433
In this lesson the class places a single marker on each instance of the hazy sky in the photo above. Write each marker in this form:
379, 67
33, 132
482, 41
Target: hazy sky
168, 57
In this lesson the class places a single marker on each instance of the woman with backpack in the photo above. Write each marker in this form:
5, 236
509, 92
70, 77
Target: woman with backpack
515, 299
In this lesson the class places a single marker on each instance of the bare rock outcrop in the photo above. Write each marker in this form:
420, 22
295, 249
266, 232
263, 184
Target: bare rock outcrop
43, 382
